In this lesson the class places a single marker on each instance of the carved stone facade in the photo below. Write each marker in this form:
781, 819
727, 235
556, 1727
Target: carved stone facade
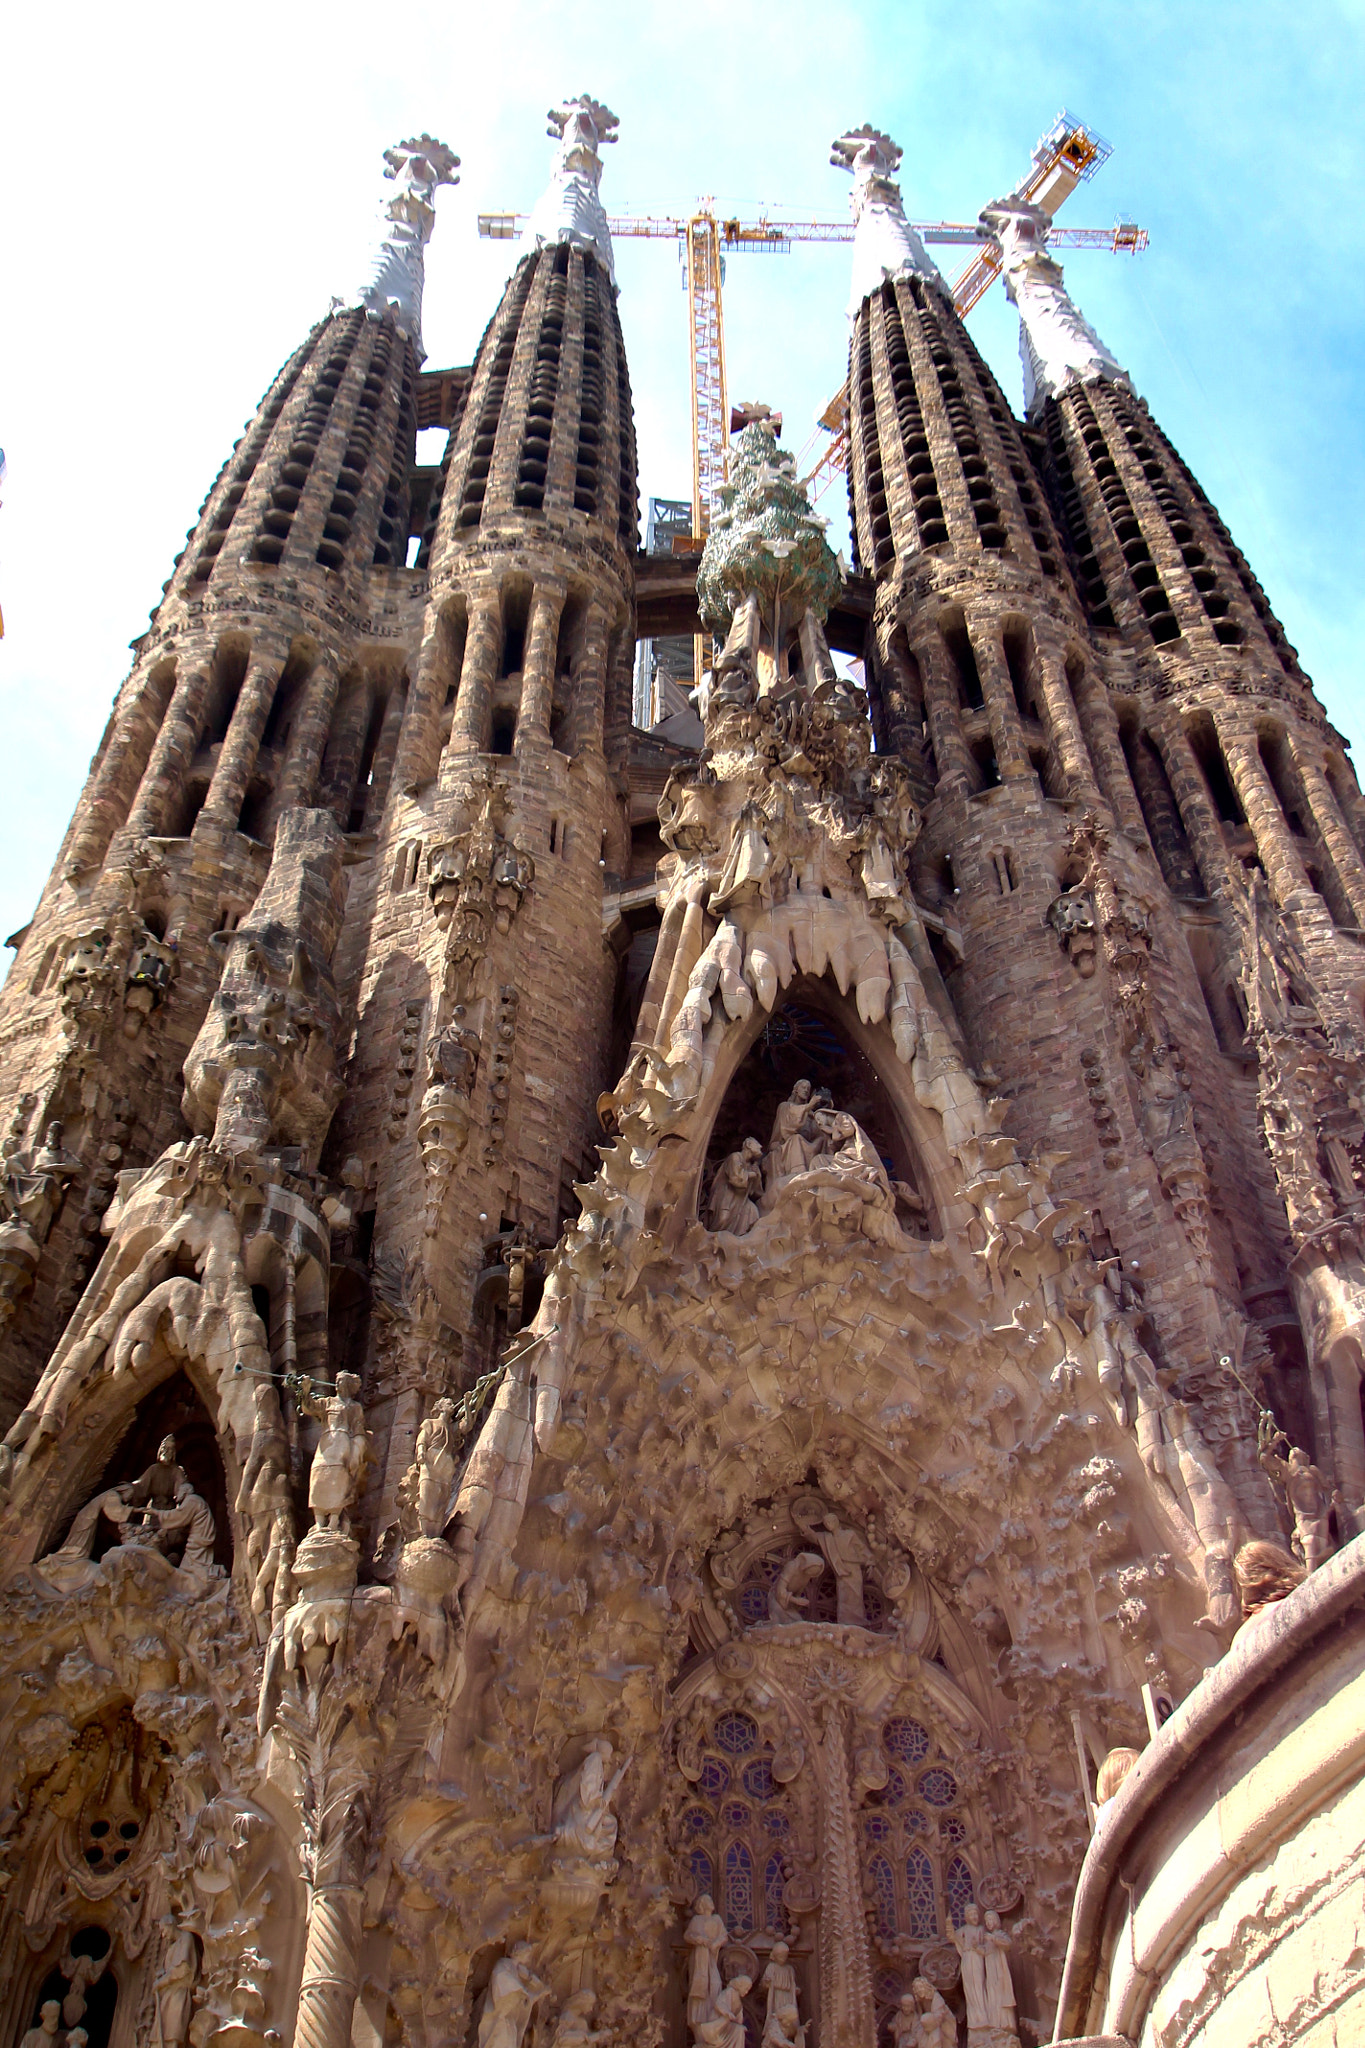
622, 1363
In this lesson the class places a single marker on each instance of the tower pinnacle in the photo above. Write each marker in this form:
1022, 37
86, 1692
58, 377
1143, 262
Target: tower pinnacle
570, 210
884, 243
394, 285
1058, 346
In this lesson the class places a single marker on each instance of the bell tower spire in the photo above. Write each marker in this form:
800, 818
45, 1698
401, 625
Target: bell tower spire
884, 243
570, 209
1058, 345
397, 273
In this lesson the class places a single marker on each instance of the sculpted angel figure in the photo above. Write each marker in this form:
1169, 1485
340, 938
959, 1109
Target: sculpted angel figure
585, 1827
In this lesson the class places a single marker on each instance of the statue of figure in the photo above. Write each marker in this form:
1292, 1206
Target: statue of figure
970, 1942
782, 2021
45, 2033
572, 2029
749, 861
584, 1825
174, 1987
848, 1557
999, 1983
160, 1511
735, 1190
795, 1140
725, 2027
338, 1469
1166, 1109
514, 1991
454, 1053
1304, 1488
80, 1973
706, 1936
925, 2020
788, 1590
428, 1486
851, 1149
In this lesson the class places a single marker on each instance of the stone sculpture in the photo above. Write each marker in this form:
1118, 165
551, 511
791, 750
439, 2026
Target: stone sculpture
725, 2027
159, 1511
572, 2029
986, 1982
49, 2020
1309, 1501
514, 1991
174, 1987
343, 1449
782, 2018
924, 2019
789, 1589
736, 1189
705, 1935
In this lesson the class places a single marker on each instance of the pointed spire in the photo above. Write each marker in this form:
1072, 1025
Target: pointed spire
396, 277
884, 243
570, 210
1058, 347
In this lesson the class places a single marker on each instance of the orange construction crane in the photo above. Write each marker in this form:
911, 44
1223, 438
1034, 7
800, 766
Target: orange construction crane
1068, 155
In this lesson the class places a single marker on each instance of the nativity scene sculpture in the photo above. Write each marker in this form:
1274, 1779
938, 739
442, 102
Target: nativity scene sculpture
158, 1513
814, 1148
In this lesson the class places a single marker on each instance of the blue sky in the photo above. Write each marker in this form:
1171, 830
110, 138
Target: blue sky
181, 193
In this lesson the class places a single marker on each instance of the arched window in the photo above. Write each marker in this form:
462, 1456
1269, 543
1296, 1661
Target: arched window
735, 1830
915, 1843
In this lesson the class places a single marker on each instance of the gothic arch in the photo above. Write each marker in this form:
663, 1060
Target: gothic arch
920, 1153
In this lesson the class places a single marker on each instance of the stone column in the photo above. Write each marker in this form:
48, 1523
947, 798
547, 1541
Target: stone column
1101, 730
1007, 731
298, 778
386, 749
1064, 727
239, 751
1336, 837
538, 668
951, 754
1203, 828
345, 747
590, 683
115, 780
482, 654
1280, 857
435, 674
331, 1968
169, 767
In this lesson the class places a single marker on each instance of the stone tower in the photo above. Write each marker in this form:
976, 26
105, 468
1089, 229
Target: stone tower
623, 1363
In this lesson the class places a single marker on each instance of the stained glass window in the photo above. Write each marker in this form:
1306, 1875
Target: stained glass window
758, 1777
696, 1821
952, 1828
957, 1889
735, 1814
919, 1895
892, 1792
938, 1787
714, 1779
878, 1827
699, 1866
914, 1822
736, 1734
772, 1892
777, 1823
884, 1895
739, 1889
906, 1739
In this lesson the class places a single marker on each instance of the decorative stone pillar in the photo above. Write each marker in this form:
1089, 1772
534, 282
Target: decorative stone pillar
473, 703
951, 753
1101, 730
1197, 814
435, 675
331, 1968
308, 742
115, 781
346, 746
1064, 728
538, 668
846, 2009
590, 682
240, 749
167, 772
1280, 857
1336, 837
997, 688
385, 753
